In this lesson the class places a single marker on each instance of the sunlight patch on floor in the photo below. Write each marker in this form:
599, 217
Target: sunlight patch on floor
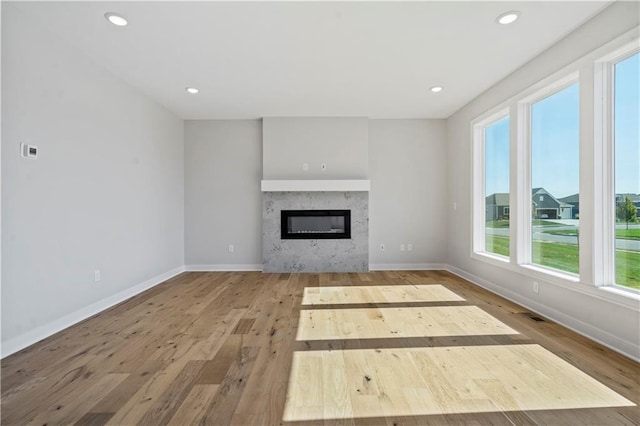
373, 323
378, 294
445, 380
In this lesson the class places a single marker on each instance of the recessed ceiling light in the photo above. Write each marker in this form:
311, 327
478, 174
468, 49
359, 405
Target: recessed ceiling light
508, 17
116, 19
436, 89
192, 90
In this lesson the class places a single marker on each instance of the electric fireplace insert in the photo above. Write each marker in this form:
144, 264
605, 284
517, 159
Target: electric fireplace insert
315, 224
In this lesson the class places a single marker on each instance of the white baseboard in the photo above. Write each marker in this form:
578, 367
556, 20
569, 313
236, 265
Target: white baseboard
615, 343
224, 268
30, 337
406, 266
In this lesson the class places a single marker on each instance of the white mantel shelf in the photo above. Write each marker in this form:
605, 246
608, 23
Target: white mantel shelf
316, 185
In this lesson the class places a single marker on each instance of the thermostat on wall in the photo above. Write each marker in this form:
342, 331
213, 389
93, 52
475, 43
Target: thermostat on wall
28, 151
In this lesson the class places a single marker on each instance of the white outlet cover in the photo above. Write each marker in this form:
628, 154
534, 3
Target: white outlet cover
28, 151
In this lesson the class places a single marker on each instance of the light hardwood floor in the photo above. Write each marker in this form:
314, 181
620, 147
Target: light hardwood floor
381, 348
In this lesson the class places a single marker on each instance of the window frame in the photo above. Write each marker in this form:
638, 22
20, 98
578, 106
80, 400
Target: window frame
478, 228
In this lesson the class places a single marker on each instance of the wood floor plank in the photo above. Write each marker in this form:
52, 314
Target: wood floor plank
240, 347
145, 398
118, 397
73, 379
169, 402
222, 407
70, 408
94, 419
214, 371
195, 405
244, 326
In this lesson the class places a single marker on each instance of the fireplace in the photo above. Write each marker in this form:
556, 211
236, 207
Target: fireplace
306, 253
315, 224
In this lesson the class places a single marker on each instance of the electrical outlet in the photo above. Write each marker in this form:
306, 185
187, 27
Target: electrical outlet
381, 247
323, 167
28, 151
230, 248
305, 167
96, 275
401, 247
455, 206
536, 287
409, 247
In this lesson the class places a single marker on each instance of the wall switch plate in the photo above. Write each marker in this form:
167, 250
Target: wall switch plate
305, 167
96, 275
323, 167
409, 247
381, 247
230, 248
455, 206
401, 247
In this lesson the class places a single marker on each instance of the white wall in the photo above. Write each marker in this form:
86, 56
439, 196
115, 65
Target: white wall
223, 202
407, 202
341, 143
105, 193
223, 165
609, 319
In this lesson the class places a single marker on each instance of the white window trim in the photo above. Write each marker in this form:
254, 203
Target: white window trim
478, 198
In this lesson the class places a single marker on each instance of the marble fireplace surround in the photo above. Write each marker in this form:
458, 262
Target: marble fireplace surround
315, 255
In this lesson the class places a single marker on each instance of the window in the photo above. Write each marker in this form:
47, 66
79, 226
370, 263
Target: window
575, 134
626, 139
555, 179
496, 189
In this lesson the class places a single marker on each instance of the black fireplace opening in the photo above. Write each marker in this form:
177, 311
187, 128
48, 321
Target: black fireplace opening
315, 224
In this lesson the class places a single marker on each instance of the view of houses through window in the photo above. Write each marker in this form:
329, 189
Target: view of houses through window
627, 170
555, 180
496, 173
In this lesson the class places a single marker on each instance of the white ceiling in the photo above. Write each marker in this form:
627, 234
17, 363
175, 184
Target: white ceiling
311, 59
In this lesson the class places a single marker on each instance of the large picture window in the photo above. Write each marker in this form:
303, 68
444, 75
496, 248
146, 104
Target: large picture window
626, 94
555, 180
556, 177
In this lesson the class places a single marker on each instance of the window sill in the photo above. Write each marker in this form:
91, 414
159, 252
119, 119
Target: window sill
622, 291
494, 259
549, 274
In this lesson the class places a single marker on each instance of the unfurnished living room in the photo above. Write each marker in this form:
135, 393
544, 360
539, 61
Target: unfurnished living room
320, 213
